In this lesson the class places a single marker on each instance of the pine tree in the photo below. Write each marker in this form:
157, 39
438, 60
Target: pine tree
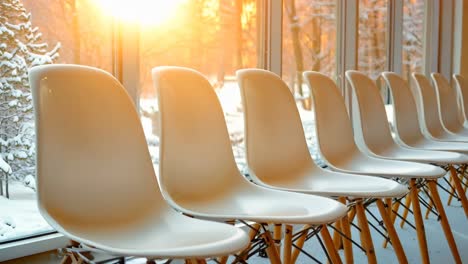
20, 49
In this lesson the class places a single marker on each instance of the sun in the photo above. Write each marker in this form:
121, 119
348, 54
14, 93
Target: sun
144, 12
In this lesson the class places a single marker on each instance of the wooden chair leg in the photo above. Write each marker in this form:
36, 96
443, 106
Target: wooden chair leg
395, 208
451, 195
406, 209
299, 243
463, 177
287, 247
346, 229
337, 240
444, 221
400, 253
465, 186
388, 202
332, 252
392, 208
460, 192
351, 214
419, 223
223, 260
271, 248
277, 233
366, 239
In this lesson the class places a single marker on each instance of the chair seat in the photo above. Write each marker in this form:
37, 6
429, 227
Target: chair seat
166, 234
264, 205
424, 156
359, 163
451, 137
460, 131
440, 146
336, 184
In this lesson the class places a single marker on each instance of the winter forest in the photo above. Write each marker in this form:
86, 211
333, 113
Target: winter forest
216, 37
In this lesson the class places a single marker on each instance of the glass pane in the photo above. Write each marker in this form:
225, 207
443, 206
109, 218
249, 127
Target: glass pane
72, 31
214, 37
309, 43
372, 51
413, 30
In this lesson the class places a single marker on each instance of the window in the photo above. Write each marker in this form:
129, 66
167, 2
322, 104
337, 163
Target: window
75, 31
372, 40
372, 56
309, 43
214, 37
413, 28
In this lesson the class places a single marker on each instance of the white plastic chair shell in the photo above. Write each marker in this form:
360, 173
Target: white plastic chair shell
462, 90
448, 106
406, 121
427, 102
336, 141
276, 150
198, 174
372, 131
95, 179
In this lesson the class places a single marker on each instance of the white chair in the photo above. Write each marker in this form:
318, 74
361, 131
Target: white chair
337, 146
462, 91
448, 106
429, 112
408, 131
95, 179
278, 157
198, 174
373, 134
372, 131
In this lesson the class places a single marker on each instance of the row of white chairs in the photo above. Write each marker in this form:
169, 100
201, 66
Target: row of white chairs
97, 185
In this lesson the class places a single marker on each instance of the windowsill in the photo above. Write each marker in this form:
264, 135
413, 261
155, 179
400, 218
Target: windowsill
32, 246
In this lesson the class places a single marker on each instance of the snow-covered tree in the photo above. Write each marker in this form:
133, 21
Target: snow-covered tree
20, 49
413, 31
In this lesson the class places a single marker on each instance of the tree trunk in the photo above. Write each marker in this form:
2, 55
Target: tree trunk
295, 28
7, 192
316, 46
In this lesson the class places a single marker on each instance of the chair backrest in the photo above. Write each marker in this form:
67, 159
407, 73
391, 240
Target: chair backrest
447, 102
274, 136
93, 165
333, 126
372, 131
405, 114
196, 159
462, 91
426, 101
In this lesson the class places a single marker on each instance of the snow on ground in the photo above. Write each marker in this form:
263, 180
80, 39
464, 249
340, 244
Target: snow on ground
19, 215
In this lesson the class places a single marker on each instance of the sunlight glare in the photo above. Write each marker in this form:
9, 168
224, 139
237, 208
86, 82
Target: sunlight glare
145, 12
